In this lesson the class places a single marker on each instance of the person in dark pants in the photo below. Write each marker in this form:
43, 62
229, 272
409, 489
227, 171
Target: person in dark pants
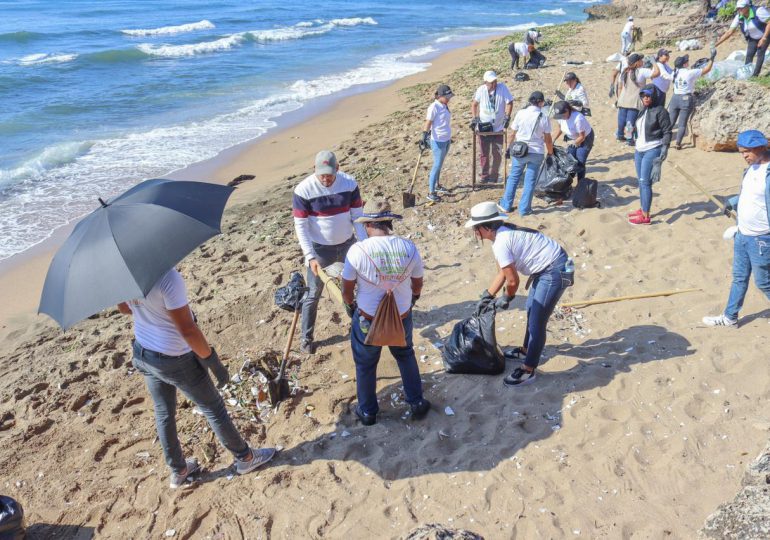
575, 128
751, 250
491, 109
754, 23
682, 103
324, 206
172, 354
529, 252
381, 264
627, 80
520, 51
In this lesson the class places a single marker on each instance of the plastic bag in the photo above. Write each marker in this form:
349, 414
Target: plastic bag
472, 346
726, 68
11, 519
536, 60
586, 194
290, 296
744, 72
555, 177
617, 57
688, 45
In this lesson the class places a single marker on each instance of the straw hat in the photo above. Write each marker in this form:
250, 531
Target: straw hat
377, 210
484, 213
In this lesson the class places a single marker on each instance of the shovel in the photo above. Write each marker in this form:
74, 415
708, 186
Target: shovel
278, 388
408, 198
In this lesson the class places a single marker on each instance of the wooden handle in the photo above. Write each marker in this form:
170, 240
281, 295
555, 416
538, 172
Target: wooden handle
694, 182
288, 344
330, 284
621, 298
473, 161
414, 175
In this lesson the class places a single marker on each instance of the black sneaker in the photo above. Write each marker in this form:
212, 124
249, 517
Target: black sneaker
519, 377
366, 419
420, 409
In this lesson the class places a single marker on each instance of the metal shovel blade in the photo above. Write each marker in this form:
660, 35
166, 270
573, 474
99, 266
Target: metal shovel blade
409, 199
277, 390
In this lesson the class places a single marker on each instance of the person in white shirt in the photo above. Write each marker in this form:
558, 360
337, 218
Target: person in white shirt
576, 129
530, 129
324, 205
520, 51
663, 81
491, 110
751, 248
683, 101
576, 95
529, 252
381, 265
533, 36
628, 78
172, 353
627, 37
437, 135
754, 22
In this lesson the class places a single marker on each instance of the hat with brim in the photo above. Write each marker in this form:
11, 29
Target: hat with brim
485, 212
681, 61
377, 210
752, 138
490, 76
570, 76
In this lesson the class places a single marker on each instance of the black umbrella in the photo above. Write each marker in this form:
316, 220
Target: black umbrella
120, 250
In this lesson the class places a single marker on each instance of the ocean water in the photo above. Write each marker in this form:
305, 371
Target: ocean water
98, 95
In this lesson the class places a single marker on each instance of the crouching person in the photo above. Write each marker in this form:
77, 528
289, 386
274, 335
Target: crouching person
388, 271
172, 353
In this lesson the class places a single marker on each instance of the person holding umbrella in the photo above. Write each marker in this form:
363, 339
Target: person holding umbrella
437, 135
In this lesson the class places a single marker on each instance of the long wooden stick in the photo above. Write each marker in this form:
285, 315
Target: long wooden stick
332, 287
414, 175
694, 182
473, 161
621, 298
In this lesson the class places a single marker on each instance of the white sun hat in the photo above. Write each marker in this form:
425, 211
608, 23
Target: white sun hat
484, 213
490, 76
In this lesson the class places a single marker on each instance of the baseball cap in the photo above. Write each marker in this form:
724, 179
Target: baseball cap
570, 76
752, 138
325, 162
681, 61
444, 91
633, 58
742, 4
490, 76
648, 90
561, 110
536, 97
632, 18
663, 52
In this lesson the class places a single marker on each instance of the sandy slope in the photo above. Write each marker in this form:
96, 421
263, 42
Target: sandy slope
639, 426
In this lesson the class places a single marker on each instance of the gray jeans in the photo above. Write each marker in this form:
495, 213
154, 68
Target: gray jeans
679, 110
163, 375
325, 255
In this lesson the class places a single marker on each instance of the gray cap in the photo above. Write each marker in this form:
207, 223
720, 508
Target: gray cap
325, 162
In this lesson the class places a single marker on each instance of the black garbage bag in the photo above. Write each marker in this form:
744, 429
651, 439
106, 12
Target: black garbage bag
289, 296
536, 60
472, 346
11, 519
555, 178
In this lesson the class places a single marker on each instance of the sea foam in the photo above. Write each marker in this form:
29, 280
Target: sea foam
170, 30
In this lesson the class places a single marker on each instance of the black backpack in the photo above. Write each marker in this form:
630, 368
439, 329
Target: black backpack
586, 194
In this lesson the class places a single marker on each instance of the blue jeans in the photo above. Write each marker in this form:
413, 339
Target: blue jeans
531, 162
750, 254
643, 162
580, 153
626, 115
544, 294
366, 358
440, 150
163, 376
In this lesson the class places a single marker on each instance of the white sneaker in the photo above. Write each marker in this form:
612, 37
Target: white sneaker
259, 456
720, 320
178, 480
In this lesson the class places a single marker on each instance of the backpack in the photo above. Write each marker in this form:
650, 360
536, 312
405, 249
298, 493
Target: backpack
586, 194
521, 77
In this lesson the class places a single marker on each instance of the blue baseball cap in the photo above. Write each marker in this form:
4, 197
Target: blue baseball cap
752, 139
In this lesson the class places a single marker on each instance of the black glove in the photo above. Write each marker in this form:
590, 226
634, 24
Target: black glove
570, 146
507, 122
549, 160
424, 143
559, 94
216, 367
503, 302
415, 297
612, 91
729, 209
475, 123
508, 153
350, 309
663, 154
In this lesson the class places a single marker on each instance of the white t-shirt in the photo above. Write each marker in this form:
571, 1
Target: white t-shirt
642, 144
628, 28
153, 327
763, 14
522, 49
529, 252
663, 81
492, 106
398, 261
752, 207
440, 117
531, 125
573, 125
577, 94
684, 82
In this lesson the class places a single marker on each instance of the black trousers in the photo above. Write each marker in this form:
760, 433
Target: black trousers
753, 50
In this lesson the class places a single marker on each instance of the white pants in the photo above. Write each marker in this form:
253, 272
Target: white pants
625, 42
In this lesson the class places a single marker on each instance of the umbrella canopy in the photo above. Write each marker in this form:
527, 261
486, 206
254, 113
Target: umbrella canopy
120, 250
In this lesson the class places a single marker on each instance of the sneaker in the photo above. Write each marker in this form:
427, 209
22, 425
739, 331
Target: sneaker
639, 219
519, 377
307, 346
635, 213
631, 143
441, 190
720, 320
178, 479
259, 456
433, 197
420, 409
366, 419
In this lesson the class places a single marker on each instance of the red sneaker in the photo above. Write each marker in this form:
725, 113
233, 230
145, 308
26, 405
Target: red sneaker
639, 219
635, 213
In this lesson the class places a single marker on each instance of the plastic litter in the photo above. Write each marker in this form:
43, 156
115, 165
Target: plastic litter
617, 57
723, 69
744, 72
290, 296
11, 519
739, 56
556, 174
688, 45
472, 346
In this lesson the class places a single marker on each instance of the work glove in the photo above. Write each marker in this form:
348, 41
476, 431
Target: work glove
350, 309
713, 53
663, 154
508, 153
612, 91
503, 302
475, 123
424, 143
570, 147
729, 209
560, 94
415, 297
216, 367
549, 160
507, 122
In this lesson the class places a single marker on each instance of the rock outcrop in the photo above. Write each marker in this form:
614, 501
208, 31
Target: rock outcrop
649, 8
747, 517
434, 531
725, 110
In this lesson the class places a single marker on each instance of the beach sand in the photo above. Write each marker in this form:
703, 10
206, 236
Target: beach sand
639, 425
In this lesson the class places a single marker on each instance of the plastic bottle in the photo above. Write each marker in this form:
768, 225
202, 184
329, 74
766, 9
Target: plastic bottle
628, 131
569, 267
